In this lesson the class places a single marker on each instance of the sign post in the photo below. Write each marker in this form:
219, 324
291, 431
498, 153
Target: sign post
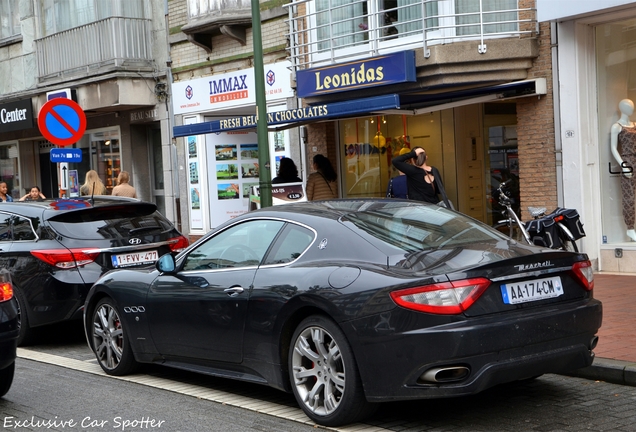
63, 122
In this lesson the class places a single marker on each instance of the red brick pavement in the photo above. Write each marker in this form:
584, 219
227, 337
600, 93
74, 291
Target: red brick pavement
617, 334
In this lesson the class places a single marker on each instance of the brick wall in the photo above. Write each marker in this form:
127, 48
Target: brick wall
536, 140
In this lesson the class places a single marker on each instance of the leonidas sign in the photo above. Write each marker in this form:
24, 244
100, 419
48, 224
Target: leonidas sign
354, 75
16, 116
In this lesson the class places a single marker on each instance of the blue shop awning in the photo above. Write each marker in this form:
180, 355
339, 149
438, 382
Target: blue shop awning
406, 103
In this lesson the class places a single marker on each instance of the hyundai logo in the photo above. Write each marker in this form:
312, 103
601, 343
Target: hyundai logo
134, 241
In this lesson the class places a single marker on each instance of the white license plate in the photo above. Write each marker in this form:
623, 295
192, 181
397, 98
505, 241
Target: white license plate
135, 258
531, 290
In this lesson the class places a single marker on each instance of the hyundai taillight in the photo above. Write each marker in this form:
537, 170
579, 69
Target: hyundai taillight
177, 244
65, 258
583, 272
6, 291
446, 298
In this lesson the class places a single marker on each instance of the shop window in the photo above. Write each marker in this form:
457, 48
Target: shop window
101, 151
502, 159
9, 163
616, 82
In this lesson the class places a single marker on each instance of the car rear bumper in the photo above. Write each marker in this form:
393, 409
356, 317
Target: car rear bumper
8, 351
8, 334
479, 352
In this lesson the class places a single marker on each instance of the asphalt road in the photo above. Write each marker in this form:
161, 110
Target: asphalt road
548, 403
45, 395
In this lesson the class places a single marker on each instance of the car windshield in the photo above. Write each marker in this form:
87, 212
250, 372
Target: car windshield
415, 228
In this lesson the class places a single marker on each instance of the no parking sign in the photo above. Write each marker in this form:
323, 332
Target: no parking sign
62, 121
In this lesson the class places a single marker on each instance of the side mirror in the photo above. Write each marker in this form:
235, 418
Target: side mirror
166, 264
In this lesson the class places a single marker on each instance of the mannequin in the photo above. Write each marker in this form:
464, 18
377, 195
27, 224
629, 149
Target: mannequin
623, 132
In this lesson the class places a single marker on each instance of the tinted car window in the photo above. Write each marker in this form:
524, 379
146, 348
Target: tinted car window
22, 229
241, 245
5, 227
110, 224
293, 241
416, 228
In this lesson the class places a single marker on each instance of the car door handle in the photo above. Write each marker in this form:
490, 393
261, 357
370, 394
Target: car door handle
234, 291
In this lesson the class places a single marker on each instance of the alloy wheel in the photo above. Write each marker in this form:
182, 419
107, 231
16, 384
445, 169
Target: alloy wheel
108, 336
318, 371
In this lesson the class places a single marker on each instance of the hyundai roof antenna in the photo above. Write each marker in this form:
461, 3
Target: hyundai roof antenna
92, 194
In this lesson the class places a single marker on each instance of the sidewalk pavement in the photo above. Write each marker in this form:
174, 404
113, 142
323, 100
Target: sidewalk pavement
615, 359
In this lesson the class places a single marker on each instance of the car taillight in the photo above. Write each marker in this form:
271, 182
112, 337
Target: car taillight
65, 258
6, 291
177, 244
583, 272
446, 298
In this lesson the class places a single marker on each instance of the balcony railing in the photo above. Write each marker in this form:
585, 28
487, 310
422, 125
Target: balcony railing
323, 32
110, 44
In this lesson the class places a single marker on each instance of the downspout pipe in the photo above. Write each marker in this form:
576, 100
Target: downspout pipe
558, 144
174, 171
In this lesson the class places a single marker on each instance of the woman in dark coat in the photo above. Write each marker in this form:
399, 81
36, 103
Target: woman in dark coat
424, 182
287, 172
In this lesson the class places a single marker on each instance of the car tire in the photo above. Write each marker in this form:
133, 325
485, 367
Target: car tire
6, 378
109, 339
26, 336
321, 363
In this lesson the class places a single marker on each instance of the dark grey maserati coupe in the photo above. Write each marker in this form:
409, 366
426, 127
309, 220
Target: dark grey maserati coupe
349, 303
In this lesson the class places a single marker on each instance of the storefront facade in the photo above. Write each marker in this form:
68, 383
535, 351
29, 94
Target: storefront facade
461, 104
104, 57
223, 165
596, 71
479, 101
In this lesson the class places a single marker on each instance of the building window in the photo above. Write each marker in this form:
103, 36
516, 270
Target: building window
9, 19
60, 15
616, 83
340, 23
198, 8
494, 17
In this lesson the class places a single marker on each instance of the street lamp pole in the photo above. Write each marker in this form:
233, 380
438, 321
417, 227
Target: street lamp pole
264, 176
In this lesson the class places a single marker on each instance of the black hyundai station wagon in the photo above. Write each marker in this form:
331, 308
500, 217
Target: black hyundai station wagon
56, 249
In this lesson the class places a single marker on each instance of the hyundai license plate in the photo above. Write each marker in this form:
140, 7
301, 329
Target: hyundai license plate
134, 258
532, 290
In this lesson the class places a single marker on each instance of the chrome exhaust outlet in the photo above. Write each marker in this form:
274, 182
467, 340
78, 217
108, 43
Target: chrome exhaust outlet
593, 342
445, 374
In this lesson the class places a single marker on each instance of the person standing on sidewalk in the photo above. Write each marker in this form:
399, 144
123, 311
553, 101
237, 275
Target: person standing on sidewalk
424, 182
321, 185
123, 188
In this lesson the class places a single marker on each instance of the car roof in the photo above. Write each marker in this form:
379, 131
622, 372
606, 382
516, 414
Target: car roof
331, 209
65, 205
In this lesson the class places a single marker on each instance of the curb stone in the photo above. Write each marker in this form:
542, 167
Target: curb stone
608, 370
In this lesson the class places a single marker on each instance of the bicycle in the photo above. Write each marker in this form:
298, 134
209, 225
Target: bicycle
557, 230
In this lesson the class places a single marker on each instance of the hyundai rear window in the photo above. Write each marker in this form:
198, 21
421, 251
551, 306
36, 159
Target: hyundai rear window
112, 225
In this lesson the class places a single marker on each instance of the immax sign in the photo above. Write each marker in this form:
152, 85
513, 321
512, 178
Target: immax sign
16, 116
